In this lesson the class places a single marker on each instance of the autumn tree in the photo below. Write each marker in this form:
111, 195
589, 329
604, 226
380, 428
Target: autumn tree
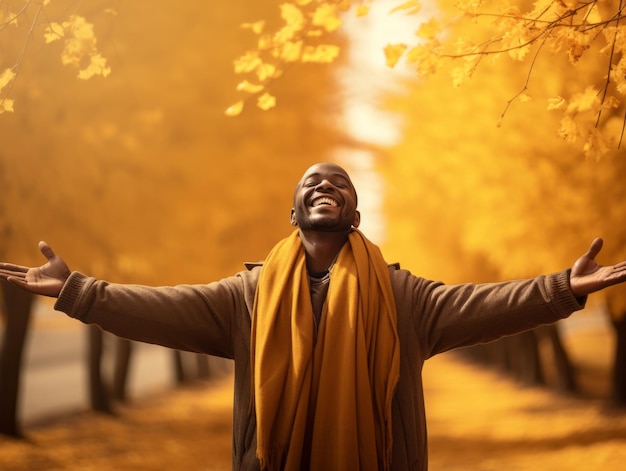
585, 35
140, 177
469, 201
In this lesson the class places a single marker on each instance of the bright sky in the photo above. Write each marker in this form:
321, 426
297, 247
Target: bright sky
364, 80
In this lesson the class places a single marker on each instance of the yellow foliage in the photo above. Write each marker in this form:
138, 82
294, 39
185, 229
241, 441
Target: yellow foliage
235, 110
293, 16
568, 129
429, 29
290, 51
80, 48
96, 66
556, 103
249, 87
53, 32
323, 53
411, 7
6, 104
474, 29
584, 101
265, 71
425, 61
465, 71
297, 40
256, 27
266, 102
248, 62
326, 15
393, 53
362, 10
6, 77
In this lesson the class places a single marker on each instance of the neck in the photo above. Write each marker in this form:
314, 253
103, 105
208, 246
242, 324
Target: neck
321, 248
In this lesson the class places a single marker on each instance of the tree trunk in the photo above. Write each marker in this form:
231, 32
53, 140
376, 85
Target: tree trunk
17, 313
525, 358
619, 361
123, 351
98, 392
565, 379
179, 368
204, 369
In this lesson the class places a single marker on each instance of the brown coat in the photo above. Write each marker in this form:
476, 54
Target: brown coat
215, 319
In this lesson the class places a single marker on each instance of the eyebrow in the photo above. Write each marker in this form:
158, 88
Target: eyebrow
317, 174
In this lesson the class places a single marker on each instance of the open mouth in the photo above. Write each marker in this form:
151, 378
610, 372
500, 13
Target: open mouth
324, 201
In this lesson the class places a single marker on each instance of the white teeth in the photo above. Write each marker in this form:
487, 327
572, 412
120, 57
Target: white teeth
325, 200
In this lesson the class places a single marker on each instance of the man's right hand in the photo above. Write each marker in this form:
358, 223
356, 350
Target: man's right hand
47, 280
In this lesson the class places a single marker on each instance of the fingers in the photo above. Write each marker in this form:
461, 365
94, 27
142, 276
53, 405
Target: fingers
46, 250
9, 269
20, 282
595, 247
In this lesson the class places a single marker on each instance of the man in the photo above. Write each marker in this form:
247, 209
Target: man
328, 340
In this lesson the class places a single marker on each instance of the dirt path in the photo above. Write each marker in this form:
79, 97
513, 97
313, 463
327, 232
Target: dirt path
481, 421
478, 421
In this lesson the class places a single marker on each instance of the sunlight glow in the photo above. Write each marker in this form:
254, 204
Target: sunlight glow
364, 80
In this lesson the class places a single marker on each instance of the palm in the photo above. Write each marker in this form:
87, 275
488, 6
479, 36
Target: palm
588, 276
47, 280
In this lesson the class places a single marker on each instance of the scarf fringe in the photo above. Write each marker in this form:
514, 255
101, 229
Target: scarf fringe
274, 460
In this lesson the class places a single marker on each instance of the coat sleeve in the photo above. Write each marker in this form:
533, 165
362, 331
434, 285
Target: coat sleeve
450, 316
197, 318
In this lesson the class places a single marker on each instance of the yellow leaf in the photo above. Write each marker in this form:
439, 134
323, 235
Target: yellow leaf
5, 77
6, 105
362, 10
246, 86
265, 71
326, 16
256, 27
411, 7
423, 57
594, 16
53, 32
266, 101
583, 101
323, 53
97, 66
81, 29
235, 110
568, 129
247, 62
286, 33
610, 102
429, 29
265, 42
556, 103
303, 2
292, 15
393, 52
290, 51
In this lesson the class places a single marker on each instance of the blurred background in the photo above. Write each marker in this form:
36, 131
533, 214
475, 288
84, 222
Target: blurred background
140, 177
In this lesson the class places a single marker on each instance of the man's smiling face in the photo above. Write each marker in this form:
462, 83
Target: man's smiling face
325, 200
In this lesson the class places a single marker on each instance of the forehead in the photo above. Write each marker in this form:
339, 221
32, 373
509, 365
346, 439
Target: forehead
326, 170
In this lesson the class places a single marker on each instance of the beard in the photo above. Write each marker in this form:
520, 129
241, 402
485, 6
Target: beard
323, 224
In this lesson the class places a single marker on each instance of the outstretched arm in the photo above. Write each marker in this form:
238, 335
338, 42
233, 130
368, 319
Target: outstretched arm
588, 276
47, 280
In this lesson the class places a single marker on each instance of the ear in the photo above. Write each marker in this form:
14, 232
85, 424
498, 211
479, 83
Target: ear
357, 219
292, 218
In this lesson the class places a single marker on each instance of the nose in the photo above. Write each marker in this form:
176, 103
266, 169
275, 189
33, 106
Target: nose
324, 185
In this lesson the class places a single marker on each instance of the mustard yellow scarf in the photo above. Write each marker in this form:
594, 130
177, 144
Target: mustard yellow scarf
325, 404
